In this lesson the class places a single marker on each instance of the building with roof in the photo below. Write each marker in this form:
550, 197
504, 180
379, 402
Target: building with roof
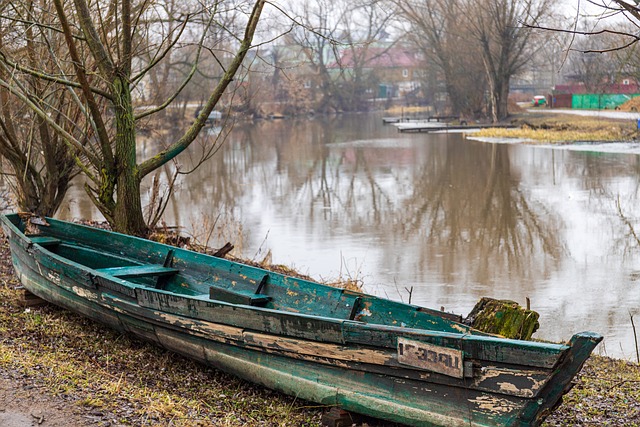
385, 71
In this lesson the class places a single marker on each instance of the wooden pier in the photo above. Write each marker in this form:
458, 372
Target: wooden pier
433, 127
407, 119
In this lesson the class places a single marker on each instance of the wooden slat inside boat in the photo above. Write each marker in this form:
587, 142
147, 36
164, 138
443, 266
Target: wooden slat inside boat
366, 354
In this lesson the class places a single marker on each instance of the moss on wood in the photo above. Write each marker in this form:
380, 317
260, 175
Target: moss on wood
503, 317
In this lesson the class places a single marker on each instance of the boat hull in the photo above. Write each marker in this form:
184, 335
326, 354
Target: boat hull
347, 363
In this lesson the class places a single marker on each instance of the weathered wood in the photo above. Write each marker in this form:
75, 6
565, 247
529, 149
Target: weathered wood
223, 251
238, 296
28, 299
501, 378
503, 317
395, 361
45, 240
133, 271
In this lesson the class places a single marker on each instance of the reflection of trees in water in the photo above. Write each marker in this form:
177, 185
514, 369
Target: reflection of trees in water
474, 218
613, 183
459, 205
214, 185
327, 180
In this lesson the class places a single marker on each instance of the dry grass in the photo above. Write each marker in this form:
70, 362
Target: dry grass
210, 231
606, 393
565, 128
133, 382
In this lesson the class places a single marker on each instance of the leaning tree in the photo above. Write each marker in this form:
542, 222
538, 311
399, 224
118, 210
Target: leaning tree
99, 67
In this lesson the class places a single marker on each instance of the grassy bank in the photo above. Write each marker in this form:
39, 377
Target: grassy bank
122, 380
564, 128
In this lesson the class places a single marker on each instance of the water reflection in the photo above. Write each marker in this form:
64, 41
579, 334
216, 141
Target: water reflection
452, 219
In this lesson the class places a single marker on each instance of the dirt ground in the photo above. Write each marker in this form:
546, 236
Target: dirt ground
25, 403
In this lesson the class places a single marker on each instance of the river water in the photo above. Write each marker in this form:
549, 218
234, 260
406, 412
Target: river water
437, 218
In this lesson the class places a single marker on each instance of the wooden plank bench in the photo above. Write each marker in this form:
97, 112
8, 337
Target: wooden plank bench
238, 296
138, 271
241, 296
45, 241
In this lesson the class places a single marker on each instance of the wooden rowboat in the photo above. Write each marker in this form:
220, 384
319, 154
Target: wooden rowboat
364, 354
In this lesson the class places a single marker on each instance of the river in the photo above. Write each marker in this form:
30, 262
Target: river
434, 218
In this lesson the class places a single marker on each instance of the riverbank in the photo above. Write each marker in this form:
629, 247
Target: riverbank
59, 369
551, 126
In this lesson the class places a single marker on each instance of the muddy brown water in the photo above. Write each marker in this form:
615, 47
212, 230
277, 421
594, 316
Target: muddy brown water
433, 217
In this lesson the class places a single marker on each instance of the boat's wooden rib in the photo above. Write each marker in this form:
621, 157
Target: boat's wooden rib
396, 361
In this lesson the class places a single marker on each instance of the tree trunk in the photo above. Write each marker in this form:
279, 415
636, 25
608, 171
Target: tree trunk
127, 215
502, 99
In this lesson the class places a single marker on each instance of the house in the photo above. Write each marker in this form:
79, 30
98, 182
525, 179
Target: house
388, 70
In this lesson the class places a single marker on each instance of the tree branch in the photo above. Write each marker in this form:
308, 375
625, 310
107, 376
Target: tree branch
635, 38
69, 139
179, 146
48, 77
96, 114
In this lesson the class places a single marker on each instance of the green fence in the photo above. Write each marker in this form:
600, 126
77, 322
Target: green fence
594, 101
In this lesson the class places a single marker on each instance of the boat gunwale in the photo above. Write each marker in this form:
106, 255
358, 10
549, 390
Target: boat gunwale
203, 329
550, 349
568, 357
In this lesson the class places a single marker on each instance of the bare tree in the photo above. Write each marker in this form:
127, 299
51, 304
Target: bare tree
104, 41
41, 165
439, 32
457, 33
363, 29
504, 42
619, 9
316, 35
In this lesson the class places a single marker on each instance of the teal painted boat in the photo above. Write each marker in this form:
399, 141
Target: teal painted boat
369, 355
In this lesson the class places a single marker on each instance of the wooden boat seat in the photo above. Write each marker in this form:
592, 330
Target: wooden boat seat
242, 296
238, 296
45, 241
138, 271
